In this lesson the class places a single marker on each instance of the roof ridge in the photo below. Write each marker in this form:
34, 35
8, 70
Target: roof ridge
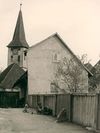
43, 40
56, 34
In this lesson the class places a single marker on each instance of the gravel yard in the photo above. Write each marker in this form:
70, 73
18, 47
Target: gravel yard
15, 121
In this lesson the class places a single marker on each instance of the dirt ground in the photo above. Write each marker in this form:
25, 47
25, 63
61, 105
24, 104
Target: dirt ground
15, 121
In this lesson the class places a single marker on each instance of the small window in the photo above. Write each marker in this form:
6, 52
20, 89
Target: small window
11, 58
56, 57
11, 49
25, 54
18, 58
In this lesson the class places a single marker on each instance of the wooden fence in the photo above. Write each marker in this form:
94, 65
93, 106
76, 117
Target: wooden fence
83, 109
63, 101
50, 101
54, 102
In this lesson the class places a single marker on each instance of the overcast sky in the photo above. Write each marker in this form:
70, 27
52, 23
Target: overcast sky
76, 21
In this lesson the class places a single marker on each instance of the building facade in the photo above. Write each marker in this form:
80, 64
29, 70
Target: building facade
43, 59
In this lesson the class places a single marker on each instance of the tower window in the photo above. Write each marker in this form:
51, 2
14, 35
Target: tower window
18, 58
11, 49
11, 58
25, 54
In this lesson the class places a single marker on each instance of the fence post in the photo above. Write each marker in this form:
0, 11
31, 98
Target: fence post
71, 107
55, 105
97, 120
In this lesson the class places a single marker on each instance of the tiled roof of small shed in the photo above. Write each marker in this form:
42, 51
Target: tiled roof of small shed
10, 76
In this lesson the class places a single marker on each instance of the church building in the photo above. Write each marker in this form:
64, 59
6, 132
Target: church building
13, 80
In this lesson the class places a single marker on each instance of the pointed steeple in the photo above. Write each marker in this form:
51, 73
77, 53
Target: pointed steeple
19, 39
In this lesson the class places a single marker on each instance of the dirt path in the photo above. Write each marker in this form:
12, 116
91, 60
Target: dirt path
15, 121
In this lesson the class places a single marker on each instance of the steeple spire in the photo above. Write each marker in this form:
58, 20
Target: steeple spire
20, 5
19, 39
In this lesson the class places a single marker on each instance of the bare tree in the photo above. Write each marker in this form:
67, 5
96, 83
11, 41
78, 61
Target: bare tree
83, 58
69, 73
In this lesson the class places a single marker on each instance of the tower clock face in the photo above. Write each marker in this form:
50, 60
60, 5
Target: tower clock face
15, 51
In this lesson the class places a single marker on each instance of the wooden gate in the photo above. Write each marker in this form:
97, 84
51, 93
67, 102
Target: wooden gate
8, 99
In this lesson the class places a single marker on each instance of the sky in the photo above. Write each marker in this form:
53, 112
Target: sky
76, 21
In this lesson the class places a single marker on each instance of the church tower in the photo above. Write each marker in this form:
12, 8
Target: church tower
18, 47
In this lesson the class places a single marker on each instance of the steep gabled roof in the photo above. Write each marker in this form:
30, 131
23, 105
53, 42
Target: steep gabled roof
19, 39
10, 76
65, 45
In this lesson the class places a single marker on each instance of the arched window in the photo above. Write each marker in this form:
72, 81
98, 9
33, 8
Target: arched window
56, 57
